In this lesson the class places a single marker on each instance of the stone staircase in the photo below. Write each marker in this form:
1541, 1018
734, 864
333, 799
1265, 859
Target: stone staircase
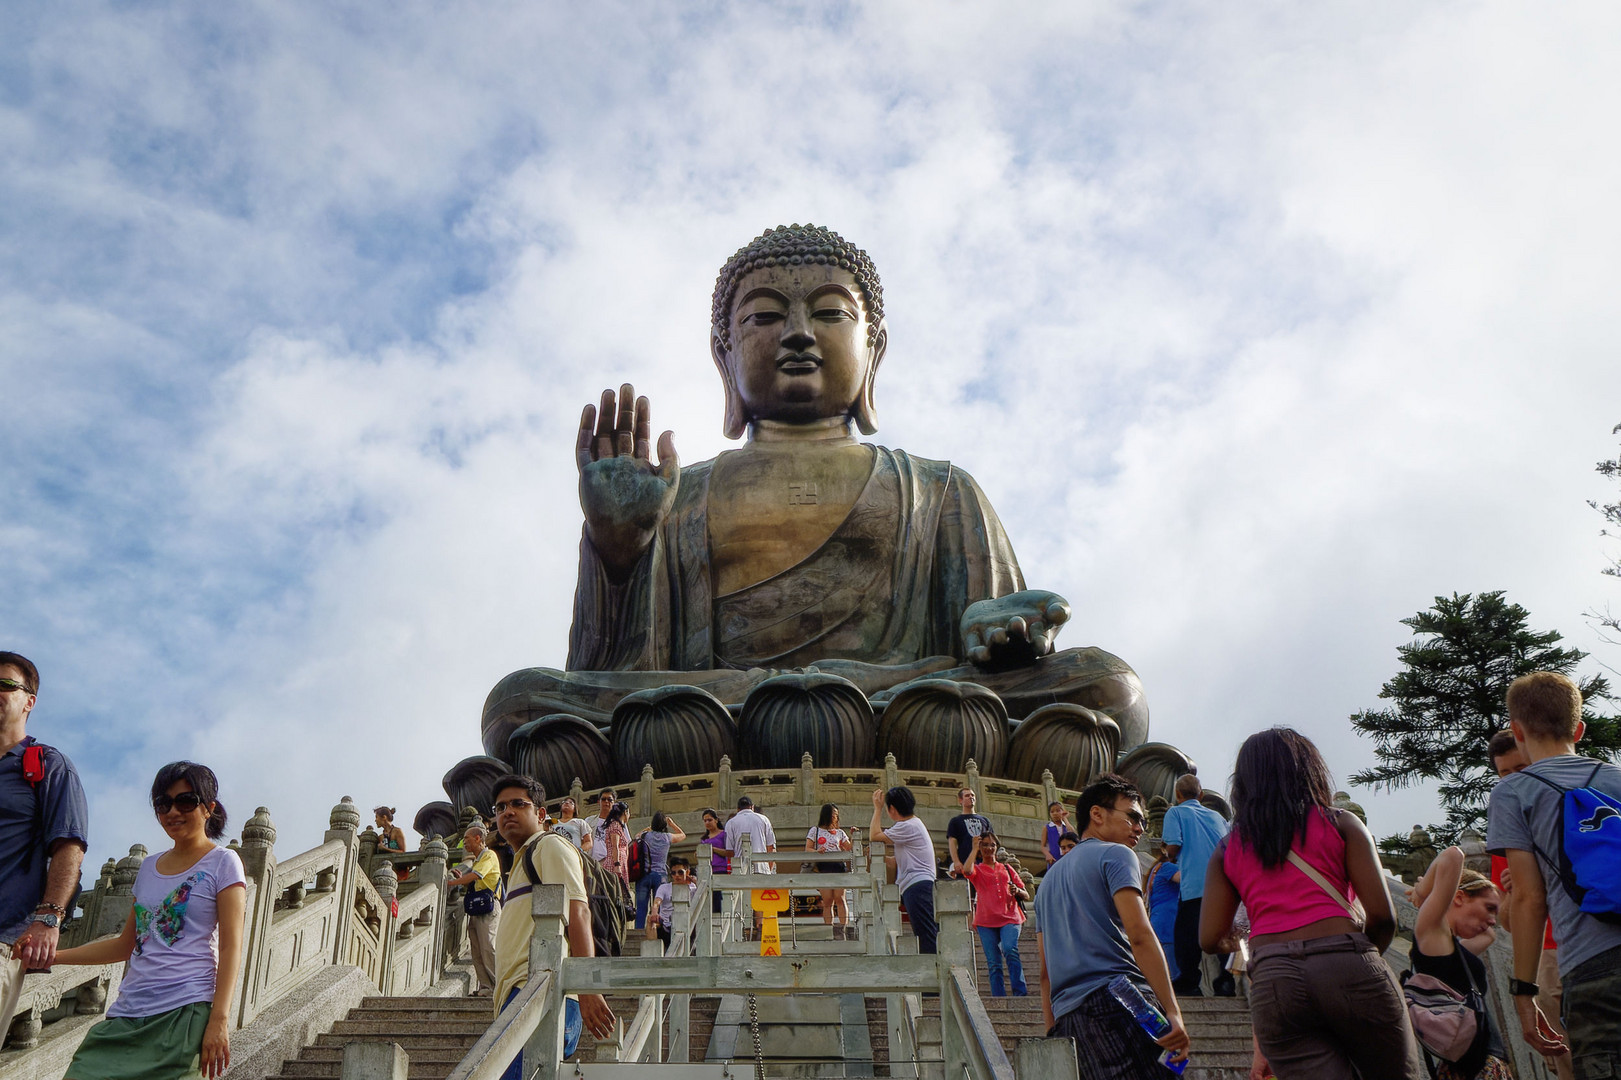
436, 1033
1219, 1027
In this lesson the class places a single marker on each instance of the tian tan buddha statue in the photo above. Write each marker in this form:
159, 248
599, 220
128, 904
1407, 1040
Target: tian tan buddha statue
805, 591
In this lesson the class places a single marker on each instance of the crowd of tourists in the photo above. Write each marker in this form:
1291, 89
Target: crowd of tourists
1289, 897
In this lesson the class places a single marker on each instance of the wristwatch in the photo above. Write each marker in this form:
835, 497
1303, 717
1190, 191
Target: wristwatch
48, 919
1521, 988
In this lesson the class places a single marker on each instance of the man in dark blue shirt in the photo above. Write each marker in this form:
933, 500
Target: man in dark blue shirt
43, 837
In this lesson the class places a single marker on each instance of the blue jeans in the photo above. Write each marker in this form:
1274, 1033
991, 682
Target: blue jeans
919, 901
999, 942
645, 889
572, 1026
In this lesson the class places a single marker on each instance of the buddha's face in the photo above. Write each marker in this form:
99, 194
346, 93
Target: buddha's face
800, 348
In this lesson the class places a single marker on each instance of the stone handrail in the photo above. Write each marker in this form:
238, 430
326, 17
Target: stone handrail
1017, 809
315, 910
495, 1049
980, 1043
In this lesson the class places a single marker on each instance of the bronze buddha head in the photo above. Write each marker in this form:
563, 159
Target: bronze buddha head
797, 329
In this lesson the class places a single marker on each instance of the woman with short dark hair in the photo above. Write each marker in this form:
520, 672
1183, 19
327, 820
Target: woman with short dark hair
183, 942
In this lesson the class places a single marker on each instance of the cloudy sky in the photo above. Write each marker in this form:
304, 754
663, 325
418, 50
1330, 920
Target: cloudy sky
1260, 324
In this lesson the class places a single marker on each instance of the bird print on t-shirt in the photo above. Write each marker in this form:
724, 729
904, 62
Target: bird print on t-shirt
168, 919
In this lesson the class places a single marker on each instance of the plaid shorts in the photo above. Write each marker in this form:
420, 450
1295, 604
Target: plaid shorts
1108, 1041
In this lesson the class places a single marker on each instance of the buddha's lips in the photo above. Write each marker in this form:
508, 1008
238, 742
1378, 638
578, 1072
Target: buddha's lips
800, 364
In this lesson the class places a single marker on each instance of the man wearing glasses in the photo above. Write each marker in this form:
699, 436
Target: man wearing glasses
599, 825
1093, 928
43, 831
518, 800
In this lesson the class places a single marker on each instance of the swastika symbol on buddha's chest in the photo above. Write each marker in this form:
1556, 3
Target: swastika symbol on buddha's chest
802, 495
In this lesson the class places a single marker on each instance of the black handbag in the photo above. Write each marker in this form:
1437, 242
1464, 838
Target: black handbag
478, 901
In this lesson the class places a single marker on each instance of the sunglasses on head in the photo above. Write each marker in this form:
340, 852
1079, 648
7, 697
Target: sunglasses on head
185, 802
8, 685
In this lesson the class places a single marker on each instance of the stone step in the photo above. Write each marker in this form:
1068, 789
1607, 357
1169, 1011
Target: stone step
367, 1028
410, 1042
411, 1004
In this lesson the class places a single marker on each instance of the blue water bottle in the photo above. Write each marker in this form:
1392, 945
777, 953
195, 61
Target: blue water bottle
1149, 1018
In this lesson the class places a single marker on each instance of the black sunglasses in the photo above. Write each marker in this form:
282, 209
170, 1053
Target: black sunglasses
8, 685
185, 802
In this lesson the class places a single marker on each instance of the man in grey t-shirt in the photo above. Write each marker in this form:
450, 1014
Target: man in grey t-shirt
1093, 928
1523, 825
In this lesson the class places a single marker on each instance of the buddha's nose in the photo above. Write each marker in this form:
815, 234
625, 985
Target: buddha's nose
796, 335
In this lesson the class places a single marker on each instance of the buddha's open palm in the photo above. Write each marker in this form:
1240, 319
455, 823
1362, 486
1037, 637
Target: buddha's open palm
1013, 630
624, 495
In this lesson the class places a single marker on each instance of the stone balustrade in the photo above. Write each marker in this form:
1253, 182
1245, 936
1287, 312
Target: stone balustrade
793, 797
335, 904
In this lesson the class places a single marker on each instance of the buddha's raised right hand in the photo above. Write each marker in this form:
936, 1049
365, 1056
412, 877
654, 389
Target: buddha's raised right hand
624, 495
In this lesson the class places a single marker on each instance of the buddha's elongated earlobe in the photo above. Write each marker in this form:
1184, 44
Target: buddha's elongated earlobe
736, 419
865, 409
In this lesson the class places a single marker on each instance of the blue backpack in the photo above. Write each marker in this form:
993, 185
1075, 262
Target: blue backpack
1589, 861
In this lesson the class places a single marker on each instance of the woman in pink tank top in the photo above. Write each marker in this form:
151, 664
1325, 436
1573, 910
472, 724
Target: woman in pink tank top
1324, 1004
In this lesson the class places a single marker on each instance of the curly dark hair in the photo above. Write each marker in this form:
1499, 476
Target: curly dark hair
795, 245
1279, 781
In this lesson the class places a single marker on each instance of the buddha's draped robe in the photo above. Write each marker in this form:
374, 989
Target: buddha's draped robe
880, 602
889, 586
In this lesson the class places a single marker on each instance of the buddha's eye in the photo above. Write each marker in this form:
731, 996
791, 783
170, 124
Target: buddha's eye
833, 314
764, 317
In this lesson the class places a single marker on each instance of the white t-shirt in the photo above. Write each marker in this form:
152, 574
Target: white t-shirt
176, 934
578, 831
914, 852
761, 837
599, 837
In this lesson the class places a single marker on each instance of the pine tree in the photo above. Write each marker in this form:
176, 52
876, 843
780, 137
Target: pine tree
1607, 621
1447, 701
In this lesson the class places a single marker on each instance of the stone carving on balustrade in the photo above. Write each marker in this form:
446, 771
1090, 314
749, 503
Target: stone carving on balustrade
1343, 801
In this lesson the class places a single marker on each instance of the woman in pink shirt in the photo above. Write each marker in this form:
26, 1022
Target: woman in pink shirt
997, 914
1324, 1004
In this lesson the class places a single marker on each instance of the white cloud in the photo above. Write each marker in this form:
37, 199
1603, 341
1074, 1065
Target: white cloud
1259, 330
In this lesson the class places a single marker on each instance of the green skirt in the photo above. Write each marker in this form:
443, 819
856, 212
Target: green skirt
161, 1047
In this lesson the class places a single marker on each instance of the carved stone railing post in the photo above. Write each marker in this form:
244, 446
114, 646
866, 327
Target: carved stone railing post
807, 780
546, 952
725, 785
259, 866
644, 793
971, 782
955, 949
577, 793
434, 874
368, 850
343, 825
892, 772
1049, 789
119, 899
387, 884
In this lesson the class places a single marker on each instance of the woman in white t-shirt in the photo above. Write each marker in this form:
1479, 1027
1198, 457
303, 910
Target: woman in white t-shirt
827, 836
183, 942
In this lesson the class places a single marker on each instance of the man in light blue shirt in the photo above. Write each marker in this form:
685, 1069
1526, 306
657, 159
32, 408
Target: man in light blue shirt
1191, 832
